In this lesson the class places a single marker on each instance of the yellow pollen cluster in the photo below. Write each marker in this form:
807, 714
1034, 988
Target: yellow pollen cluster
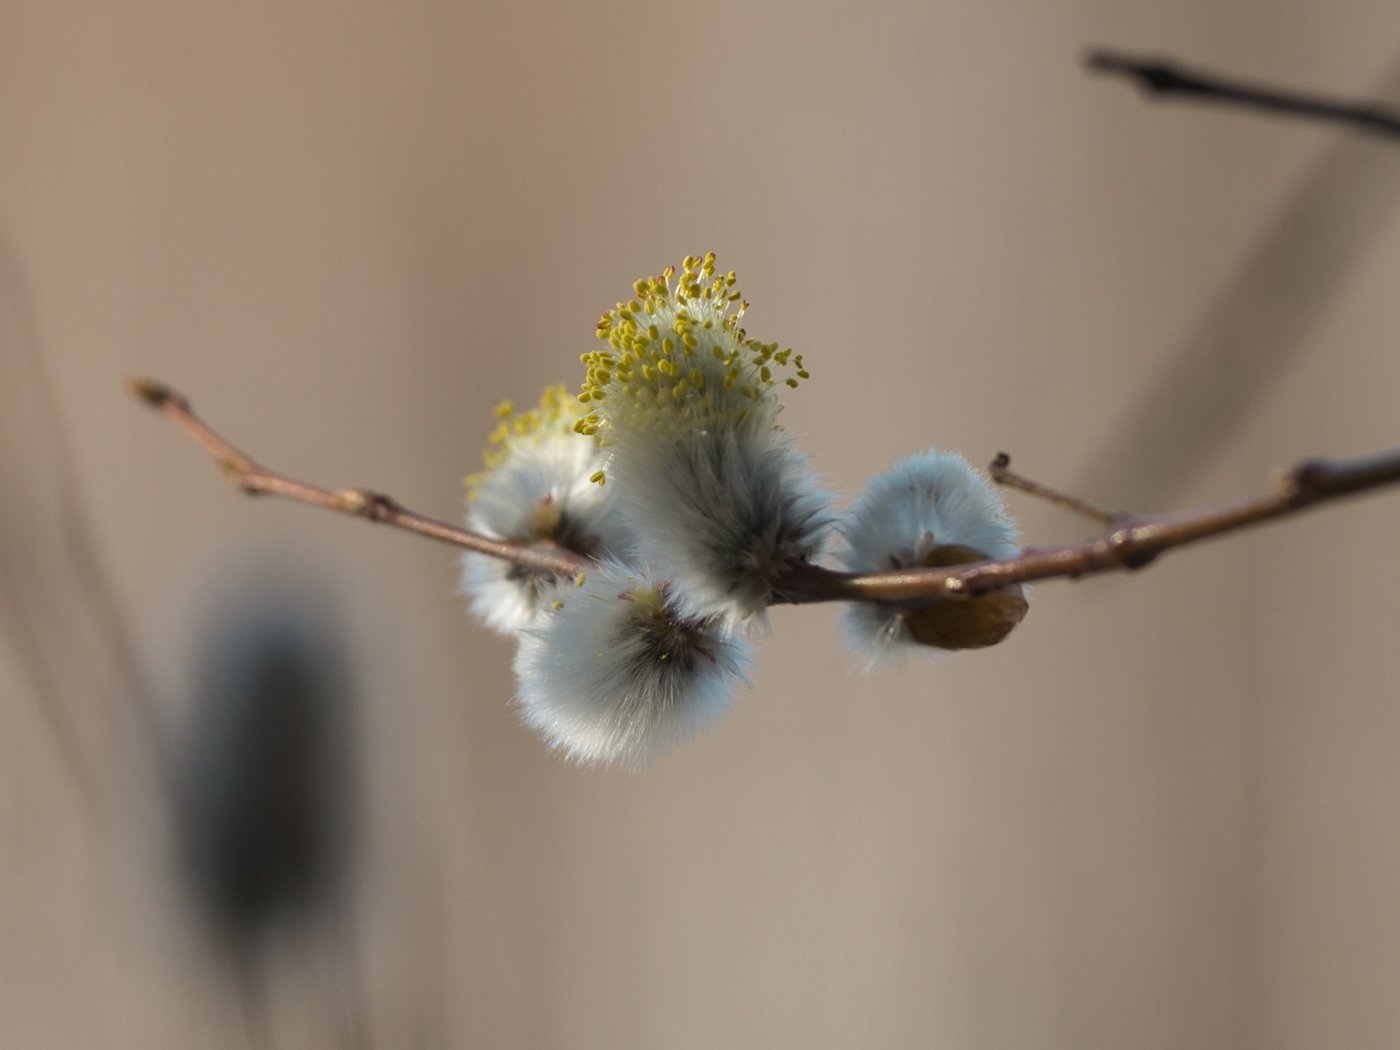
554, 416
677, 348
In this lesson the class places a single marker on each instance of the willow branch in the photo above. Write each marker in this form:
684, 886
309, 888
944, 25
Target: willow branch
255, 479
1163, 77
1130, 541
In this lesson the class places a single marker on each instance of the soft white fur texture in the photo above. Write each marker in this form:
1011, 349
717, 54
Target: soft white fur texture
720, 510
925, 500
546, 475
614, 676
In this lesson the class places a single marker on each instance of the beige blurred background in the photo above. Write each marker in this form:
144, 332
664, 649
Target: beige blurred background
1165, 814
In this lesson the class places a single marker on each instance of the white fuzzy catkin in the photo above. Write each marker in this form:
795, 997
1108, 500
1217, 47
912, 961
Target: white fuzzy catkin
536, 487
724, 510
613, 675
684, 403
926, 500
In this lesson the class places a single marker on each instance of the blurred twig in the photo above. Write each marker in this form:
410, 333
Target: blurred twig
1261, 317
1165, 77
1130, 542
59, 617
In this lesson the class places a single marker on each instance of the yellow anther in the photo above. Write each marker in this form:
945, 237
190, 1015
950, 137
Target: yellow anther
652, 362
598, 477
582, 577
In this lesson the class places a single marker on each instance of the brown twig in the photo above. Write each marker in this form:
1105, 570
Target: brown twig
1130, 543
1002, 474
254, 479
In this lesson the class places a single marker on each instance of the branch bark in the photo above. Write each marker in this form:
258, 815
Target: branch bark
1130, 541
254, 479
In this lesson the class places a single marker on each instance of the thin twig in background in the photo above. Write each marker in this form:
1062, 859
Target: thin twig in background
1260, 319
1166, 78
1002, 474
1131, 542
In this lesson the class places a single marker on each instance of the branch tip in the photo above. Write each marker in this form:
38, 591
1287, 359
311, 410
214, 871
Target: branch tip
1001, 473
154, 393
1101, 60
